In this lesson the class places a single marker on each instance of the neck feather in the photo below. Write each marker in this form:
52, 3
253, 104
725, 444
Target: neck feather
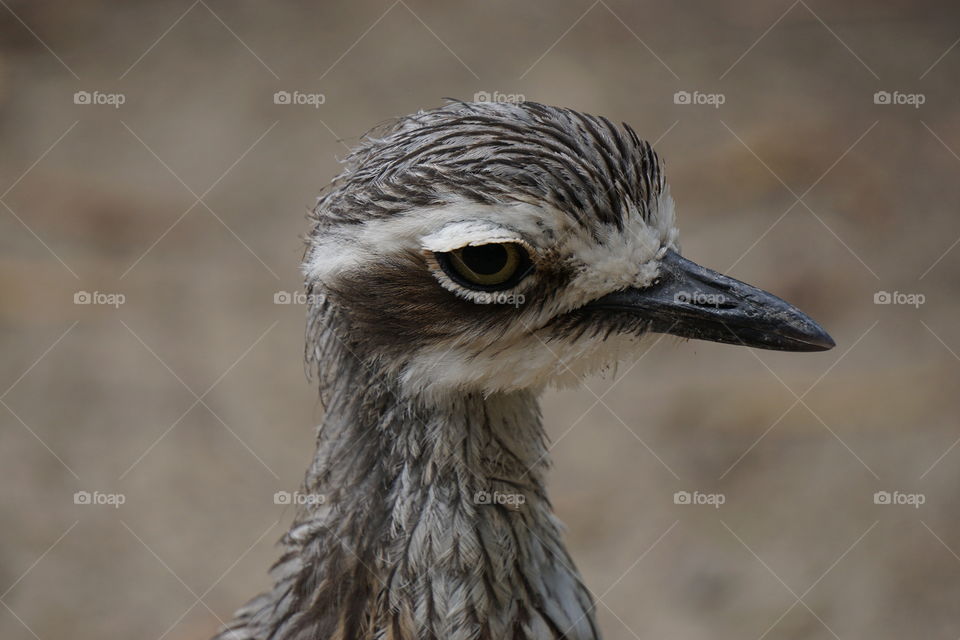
428, 521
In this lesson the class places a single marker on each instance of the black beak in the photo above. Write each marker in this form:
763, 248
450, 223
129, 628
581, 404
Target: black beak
691, 301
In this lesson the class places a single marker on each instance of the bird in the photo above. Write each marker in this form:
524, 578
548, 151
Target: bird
468, 257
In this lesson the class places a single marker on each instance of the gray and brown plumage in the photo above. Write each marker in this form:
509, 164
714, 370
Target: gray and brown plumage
466, 258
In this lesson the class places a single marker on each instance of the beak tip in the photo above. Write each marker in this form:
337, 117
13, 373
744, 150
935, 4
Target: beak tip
815, 338
823, 342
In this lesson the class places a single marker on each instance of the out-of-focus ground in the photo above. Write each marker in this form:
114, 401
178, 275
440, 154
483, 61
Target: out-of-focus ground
189, 199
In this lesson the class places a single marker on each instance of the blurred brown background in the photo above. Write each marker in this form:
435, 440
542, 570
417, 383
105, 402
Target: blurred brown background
189, 399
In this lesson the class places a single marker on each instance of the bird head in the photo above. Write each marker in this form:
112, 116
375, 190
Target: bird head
496, 247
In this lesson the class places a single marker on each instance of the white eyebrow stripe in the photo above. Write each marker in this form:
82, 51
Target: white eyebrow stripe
451, 226
435, 229
517, 220
461, 234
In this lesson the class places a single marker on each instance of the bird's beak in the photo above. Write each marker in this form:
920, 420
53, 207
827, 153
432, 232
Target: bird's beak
691, 301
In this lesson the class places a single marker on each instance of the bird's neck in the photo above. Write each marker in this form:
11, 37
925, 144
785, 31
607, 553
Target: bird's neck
429, 521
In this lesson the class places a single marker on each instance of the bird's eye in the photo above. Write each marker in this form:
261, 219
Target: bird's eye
487, 267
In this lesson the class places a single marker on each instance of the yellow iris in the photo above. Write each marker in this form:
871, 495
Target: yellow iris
487, 265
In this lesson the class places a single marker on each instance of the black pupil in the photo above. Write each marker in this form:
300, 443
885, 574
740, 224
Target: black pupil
485, 259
